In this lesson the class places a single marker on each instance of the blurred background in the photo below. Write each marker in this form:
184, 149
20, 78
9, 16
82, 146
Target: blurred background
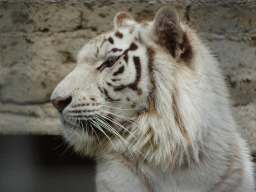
42, 164
39, 41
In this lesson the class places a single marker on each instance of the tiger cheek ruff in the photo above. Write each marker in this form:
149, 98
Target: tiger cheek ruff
148, 102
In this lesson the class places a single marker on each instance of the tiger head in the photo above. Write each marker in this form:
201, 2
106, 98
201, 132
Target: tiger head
126, 93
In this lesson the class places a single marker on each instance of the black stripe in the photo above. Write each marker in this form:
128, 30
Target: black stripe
120, 88
111, 40
134, 85
108, 97
119, 34
132, 47
115, 50
119, 71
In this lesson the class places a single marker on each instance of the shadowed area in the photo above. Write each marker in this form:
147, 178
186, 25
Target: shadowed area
43, 163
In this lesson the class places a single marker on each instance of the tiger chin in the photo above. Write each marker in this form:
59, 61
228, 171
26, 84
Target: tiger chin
148, 102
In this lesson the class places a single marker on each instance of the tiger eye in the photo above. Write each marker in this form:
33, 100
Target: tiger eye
112, 60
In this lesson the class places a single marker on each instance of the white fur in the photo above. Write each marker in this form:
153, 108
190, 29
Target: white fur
151, 156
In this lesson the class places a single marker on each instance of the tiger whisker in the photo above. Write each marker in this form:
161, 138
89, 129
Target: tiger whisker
125, 118
88, 125
79, 36
118, 102
128, 143
57, 137
120, 108
118, 136
118, 124
80, 143
105, 125
78, 42
96, 124
68, 147
130, 121
93, 132
63, 142
101, 147
113, 131
109, 127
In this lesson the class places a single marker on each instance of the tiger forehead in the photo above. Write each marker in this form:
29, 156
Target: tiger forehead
113, 41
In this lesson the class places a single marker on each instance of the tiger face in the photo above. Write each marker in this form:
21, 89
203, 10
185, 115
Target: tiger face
109, 102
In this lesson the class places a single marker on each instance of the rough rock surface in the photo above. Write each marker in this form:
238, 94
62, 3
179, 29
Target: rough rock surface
39, 41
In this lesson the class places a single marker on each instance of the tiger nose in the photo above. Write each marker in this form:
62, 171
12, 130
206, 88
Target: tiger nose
60, 103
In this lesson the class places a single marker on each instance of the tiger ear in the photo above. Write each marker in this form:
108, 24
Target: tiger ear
123, 19
167, 30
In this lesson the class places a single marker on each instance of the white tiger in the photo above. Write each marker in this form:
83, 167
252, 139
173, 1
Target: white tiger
148, 102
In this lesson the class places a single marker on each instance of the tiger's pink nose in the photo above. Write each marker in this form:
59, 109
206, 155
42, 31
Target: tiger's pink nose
60, 103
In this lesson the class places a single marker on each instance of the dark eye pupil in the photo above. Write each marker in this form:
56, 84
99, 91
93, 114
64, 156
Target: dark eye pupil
111, 61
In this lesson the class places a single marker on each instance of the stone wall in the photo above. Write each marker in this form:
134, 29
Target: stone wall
39, 41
